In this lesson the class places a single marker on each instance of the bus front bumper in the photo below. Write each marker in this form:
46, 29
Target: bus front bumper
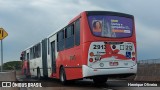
89, 72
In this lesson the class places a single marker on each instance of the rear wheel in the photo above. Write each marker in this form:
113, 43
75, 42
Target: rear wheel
100, 79
63, 76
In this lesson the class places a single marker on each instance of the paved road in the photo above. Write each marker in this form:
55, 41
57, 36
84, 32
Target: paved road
84, 85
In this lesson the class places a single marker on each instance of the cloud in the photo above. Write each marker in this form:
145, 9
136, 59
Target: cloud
147, 23
147, 41
145, 11
29, 21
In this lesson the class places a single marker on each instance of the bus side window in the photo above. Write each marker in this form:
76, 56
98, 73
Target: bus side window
24, 56
38, 50
77, 32
48, 46
60, 40
69, 36
31, 53
27, 56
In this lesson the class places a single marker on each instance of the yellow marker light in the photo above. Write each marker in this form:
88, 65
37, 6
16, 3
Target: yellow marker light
91, 54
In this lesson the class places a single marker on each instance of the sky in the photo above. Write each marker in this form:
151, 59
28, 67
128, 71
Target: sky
29, 21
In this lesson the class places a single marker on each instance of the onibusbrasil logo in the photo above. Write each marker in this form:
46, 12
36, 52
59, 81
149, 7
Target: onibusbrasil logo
21, 84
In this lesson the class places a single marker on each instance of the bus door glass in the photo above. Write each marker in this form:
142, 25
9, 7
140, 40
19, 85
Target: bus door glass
53, 62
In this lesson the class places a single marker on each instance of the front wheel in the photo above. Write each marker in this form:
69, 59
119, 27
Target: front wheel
63, 76
100, 79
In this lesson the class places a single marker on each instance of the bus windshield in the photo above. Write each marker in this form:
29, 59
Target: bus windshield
111, 26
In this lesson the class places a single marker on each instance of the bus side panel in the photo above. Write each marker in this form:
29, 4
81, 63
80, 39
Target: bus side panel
72, 60
60, 62
34, 63
85, 53
73, 63
73, 73
84, 36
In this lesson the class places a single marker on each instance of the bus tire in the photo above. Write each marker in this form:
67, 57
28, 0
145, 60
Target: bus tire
63, 76
100, 80
38, 73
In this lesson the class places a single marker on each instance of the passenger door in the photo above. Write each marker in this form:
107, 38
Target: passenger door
53, 59
44, 58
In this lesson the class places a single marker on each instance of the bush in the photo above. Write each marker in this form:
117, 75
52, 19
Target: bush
12, 65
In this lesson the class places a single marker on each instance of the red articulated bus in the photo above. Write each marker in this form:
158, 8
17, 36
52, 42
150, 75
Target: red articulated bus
95, 44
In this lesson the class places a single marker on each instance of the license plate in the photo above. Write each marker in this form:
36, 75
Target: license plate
113, 63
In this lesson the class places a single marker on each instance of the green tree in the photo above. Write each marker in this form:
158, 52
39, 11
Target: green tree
12, 65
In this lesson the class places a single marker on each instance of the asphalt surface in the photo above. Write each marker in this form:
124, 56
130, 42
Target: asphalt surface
86, 84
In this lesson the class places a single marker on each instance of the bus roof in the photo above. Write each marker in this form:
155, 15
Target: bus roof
108, 13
